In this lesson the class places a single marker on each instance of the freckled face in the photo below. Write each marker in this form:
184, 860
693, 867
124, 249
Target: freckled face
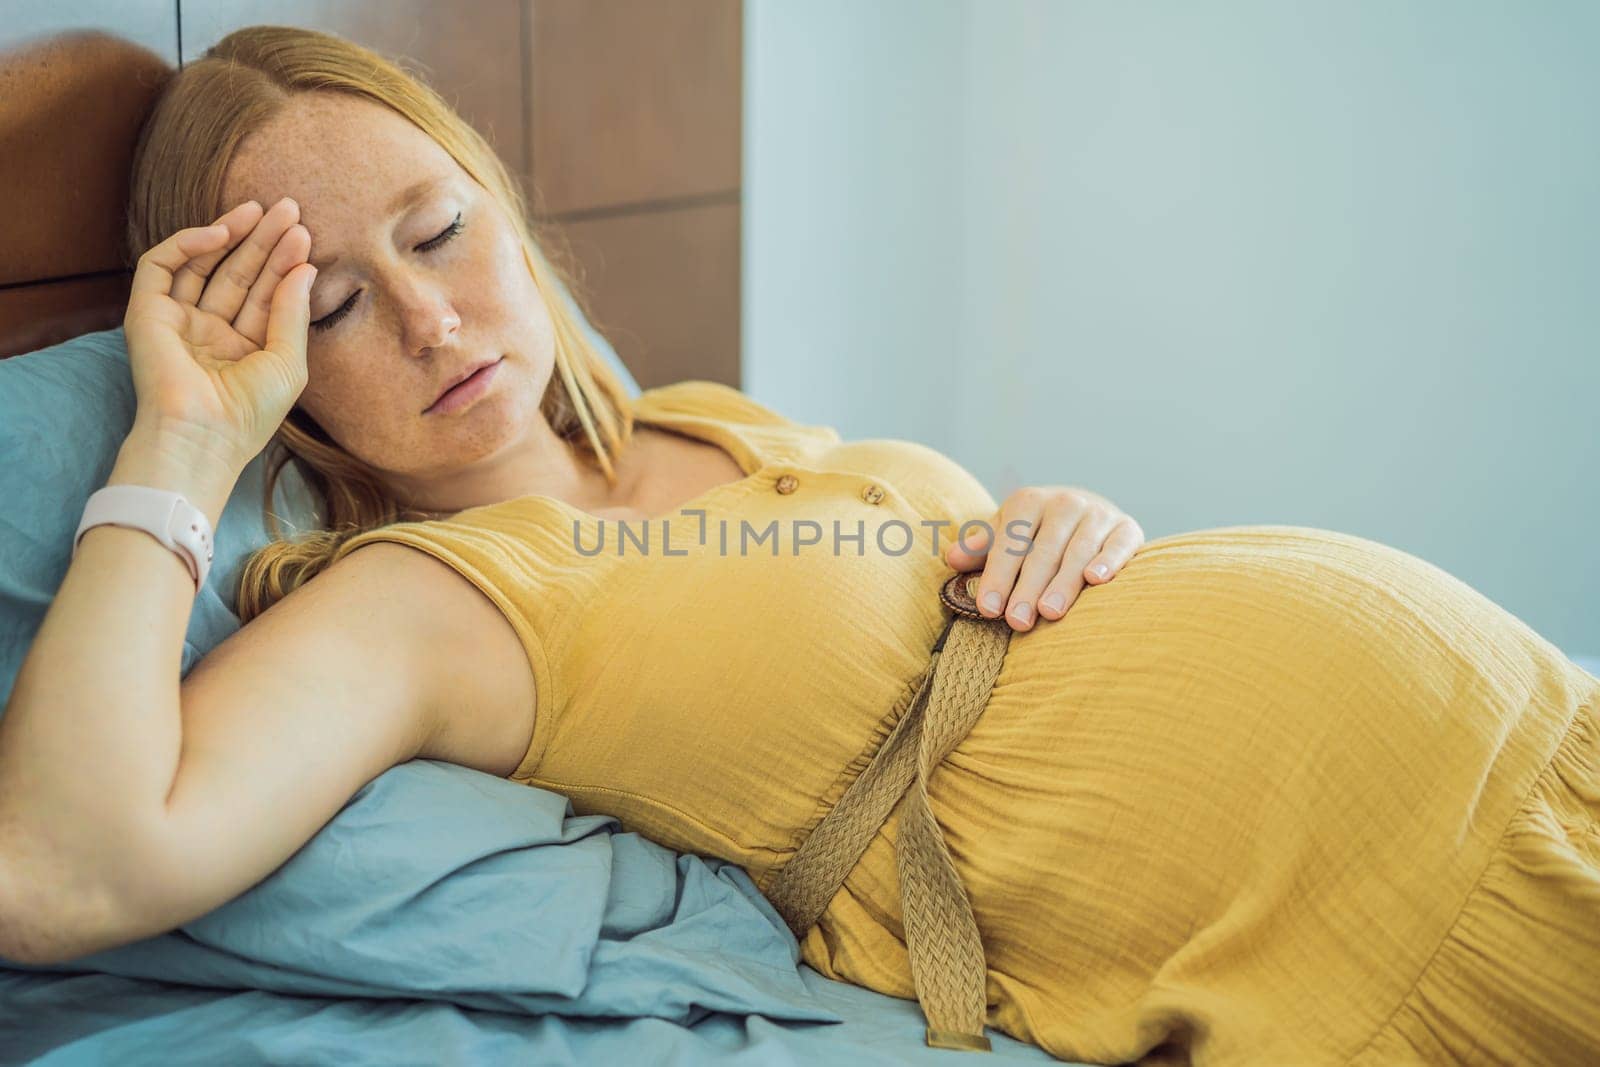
404, 302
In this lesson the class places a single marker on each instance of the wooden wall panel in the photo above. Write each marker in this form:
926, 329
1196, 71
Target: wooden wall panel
636, 132
471, 51
663, 286
627, 112
635, 101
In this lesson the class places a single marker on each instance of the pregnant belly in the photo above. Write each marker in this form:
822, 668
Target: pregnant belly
1246, 724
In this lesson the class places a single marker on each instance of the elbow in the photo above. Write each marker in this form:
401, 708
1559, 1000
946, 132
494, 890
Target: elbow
23, 942
34, 935
43, 924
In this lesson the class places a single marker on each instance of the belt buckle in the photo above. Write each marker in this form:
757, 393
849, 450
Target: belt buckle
960, 594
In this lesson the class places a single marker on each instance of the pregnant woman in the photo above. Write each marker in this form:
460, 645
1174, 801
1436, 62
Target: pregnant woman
1269, 795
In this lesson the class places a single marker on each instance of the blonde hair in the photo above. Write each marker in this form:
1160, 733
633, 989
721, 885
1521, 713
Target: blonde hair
184, 148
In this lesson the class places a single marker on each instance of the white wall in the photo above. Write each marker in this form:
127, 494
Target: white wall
1329, 264
853, 207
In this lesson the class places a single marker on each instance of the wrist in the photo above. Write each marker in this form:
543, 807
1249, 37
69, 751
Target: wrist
180, 460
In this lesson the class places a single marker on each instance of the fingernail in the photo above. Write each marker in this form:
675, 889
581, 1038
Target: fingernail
1054, 601
991, 602
1022, 612
1101, 569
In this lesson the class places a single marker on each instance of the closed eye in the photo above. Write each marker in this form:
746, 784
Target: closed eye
331, 319
328, 321
449, 232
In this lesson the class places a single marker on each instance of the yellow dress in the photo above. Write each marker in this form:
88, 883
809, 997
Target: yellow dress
1273, 795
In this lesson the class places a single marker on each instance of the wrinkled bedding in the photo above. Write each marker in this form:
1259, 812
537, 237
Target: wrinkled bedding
449, 916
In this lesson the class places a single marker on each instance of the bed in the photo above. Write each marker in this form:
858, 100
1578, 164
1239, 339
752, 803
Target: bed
447, 916
444, 915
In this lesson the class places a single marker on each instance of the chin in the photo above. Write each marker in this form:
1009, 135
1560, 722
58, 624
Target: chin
493, 425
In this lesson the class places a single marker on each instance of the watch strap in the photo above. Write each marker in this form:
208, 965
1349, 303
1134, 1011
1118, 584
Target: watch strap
164, 515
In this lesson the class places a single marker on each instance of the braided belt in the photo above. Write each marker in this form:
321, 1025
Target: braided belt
947, 964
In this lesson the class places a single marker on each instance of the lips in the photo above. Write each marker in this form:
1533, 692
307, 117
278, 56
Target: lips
463, 376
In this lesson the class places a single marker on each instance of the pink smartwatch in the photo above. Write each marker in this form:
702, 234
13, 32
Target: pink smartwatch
164, 515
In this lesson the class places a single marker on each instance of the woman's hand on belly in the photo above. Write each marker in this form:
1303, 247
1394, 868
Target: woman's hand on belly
1052, 540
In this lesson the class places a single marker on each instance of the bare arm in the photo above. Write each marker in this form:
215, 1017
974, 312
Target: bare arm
131, 802
387, 656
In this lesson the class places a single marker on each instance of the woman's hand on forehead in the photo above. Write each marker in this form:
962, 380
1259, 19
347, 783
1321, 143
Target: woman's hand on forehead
236, 282
217, 325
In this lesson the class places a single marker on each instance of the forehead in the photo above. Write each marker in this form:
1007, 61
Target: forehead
337, 155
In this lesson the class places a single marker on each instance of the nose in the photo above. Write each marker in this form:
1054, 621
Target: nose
427, 320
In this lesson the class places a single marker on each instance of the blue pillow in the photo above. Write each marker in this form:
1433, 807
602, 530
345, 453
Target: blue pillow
64, 413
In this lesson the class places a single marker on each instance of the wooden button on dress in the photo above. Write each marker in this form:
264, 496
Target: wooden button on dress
872, 494
788, 484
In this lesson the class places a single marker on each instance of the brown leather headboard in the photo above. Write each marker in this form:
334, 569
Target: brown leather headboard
71, 113
623, 115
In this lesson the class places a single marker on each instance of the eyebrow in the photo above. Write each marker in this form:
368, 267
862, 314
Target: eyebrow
407, 197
